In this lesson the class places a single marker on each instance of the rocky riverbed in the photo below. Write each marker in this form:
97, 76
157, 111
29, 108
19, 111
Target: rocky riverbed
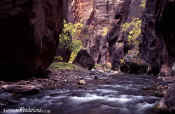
89, 92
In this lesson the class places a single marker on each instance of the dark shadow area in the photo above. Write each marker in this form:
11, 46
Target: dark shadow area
17, 48
166, 27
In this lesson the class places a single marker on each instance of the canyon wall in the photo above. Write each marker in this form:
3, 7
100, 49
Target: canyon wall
129, 31
29, 34
98, 17
157, 46
108, 28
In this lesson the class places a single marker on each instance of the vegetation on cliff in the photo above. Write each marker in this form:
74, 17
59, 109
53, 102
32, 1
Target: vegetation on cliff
69, 38
133, 29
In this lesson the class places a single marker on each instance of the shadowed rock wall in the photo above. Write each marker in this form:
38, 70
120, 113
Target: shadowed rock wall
29, 31
157, 45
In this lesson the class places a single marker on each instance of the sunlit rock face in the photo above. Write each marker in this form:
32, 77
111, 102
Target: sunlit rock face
108, 27
158, 35
75, 11
136, 31
29, 31
98, 17
104, 19
82, 9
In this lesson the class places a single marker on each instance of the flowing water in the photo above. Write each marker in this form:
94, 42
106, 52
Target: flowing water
124, 95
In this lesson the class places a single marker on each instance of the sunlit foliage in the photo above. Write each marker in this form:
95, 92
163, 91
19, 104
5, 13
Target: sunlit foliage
143, 4
76, 46
62, 65
105, 31
69, 36
70, 31
58, 58
122, 61
133, 29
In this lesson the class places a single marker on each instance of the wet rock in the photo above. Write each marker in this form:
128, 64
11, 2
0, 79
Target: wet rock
133, 68
21, 89
82, 82
167, 104
161, 106
165, 70
29, 31
96, 77
84, 60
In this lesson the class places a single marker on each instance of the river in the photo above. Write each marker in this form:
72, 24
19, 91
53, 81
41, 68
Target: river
123, 95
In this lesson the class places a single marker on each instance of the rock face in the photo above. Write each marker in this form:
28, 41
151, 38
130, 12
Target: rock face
105, 36
29, 31
136, 31
115, 37
82, 9
97, 16
167, 104
84, 59
169, 100
157, 46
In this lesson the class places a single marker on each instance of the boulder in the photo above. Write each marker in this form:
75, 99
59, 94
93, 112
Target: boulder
133, 68
84, 60
22, 89
82, 82
167, 104
29, 32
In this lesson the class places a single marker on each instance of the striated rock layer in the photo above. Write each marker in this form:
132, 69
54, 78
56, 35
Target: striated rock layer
29, 31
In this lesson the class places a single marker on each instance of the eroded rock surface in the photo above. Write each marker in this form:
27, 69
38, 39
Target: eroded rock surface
29, 31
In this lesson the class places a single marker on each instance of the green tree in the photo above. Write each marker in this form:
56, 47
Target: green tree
68, 38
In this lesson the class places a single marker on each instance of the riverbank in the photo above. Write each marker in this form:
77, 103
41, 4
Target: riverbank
73, 79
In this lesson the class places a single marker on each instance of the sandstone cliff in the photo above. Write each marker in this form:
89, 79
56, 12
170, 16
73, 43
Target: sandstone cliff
131, 30
29, 31
109, 24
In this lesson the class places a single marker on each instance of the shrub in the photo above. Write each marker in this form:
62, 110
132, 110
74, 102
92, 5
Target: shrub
76, 46
133, 30
58, 58
105, 31
143, 4
68, 38
70, 32
62, 65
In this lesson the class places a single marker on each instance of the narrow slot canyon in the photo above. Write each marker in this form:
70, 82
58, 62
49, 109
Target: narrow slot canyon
87, 57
